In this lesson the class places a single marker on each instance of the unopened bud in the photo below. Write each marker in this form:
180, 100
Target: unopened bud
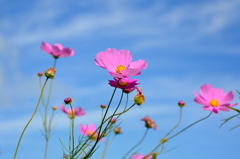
163, 140
117, 130
181, 103
103, 106
49, 73
54, 108
139, 99
68, 100
40, 74
113, 120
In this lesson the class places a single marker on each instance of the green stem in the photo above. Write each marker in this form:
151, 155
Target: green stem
126, 103
19, 141
72, 132
179, 121
107, 145
137, 143
101, 124
118, 114
177, 134
109, 121
189, 126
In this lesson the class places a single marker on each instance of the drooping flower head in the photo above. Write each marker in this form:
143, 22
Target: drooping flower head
88, 131
72, 113
126, 84
118, 63
139, 98
139, 156
214, 99
117, 130
56, 50
149, 123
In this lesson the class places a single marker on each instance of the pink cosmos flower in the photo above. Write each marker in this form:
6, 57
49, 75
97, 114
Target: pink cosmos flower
214, 99
149, 123
72, 113
118, 63
125, 84
56, 50
139, 156
89, 130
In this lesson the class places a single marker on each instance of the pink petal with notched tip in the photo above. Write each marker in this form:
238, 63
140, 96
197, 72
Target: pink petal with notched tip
200, 100
222, 108
140, 64
212, 109
228, 98
78, 111
46, 47
67, 52
57, 49
131, 72
206, 91
219, 93
63, 109
105, 61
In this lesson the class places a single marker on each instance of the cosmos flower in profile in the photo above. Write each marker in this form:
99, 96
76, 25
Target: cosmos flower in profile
57, 50
119, 64
149, 123
88, 131
126, 84
72, 113
214, 99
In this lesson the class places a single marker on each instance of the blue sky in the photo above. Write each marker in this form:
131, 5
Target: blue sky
186, 44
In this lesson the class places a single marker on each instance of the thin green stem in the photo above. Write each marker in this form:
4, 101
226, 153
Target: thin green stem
126, 103
166, 140
72, 132
189, 126
179, 121
46, 149
105, 114
107, 145
118, 114
145, 134
109, 121
39, 99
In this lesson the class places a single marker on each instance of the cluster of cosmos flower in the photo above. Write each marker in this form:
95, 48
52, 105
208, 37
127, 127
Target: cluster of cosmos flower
120, 66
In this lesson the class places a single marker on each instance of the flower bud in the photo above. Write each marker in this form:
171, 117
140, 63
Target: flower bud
139, 99
54, 108
113, 120
40, 74
181, 103
163, 140
149, 123
49, 73
117, 130
68, 100
103, 106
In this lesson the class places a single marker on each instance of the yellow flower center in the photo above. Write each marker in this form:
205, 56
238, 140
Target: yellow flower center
120, 68
214, 103
71, 114
89, 132
122, 83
